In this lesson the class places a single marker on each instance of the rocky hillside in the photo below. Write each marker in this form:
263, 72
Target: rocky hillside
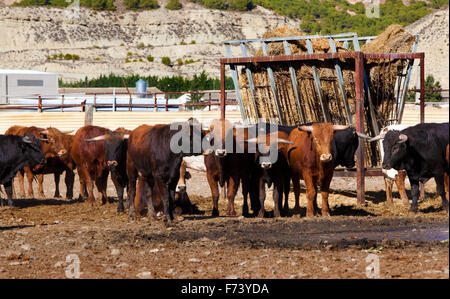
433, 33
121, 42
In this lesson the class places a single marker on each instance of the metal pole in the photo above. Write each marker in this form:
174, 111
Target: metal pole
62, 103
359, 91
422, 89
40, 104
222, 91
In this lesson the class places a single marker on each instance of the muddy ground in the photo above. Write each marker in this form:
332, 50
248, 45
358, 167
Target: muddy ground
45, 238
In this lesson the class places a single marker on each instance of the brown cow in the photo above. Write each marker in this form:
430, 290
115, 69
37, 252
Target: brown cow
66, 164
53, 148
89, 158
310, 159
227, 163
152, 158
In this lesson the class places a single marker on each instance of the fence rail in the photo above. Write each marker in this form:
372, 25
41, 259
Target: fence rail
151, 100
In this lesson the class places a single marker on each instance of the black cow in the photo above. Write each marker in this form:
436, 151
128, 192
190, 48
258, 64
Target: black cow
420, 150
17, 152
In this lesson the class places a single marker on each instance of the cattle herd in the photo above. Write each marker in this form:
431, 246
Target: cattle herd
150, 162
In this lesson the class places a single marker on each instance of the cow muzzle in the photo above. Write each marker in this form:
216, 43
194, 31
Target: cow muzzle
266, 165
221, 152
386, 166
326, 157
113, 163
181, 188
62, 152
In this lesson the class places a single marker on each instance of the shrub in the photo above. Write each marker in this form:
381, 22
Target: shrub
68, 57
140, 45
150, 58
75, 57
193, 42
174, 5
180, 61
183, 43
430, 96
166, 60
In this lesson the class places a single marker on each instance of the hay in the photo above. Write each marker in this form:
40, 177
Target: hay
382, 80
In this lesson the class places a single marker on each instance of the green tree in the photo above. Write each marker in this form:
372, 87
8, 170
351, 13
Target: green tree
241, 5
430, 96
215, 4
174, 5
148, 4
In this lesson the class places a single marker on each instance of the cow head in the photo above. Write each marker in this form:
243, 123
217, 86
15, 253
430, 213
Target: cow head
395, 145
55, 139
115, 144
346, 143
31, 148
268, 147
220, 138
322, 135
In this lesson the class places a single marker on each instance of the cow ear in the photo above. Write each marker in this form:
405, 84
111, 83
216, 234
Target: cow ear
402, 138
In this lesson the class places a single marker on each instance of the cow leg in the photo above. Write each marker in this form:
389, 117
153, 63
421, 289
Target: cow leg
101, 183
311, 193
262, 197
245, 193
30, 177
388, 182
441, 191
89, 184
69, 181
400, 182
8, 190
446, 183
415, 195
119, 190
232, 187
57, 176
286, 189
325, 190
213, 185
40, 179
422, 192
277, 192
167, 199
296, 185
20, 175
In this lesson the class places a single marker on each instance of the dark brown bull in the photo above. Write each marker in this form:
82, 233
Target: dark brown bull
152, 159
53, 150
310, 159
270, 171
228, 163
89, 158
116, 144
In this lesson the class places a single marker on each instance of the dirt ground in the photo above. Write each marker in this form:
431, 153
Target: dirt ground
52, 238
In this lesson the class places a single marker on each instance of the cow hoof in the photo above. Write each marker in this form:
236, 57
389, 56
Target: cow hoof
297, 211
232, 214
215, 213
413, 211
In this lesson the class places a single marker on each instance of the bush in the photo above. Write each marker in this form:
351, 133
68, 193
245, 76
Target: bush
193, 42
148, 4
141, 45
68, 57
174, 5
150, 58
430, 96
166, 60
180, 61
75, 57
183, 43
241, 5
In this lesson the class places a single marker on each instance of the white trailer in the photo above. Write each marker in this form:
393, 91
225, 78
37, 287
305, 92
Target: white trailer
25, 83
